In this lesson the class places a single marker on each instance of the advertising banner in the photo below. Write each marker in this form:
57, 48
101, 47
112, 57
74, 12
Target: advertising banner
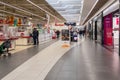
65, 35
108, 40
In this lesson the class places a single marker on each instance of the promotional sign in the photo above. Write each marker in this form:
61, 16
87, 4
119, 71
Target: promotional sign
19, 21
65, 35
11, 22
59, 24
108, 40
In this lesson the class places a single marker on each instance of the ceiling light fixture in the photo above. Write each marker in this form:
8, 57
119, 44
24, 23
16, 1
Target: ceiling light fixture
21, 9
42, 9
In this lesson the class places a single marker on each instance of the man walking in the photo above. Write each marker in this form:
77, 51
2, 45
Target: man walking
35, 36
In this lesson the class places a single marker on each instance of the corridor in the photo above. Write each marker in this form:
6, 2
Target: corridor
87, 61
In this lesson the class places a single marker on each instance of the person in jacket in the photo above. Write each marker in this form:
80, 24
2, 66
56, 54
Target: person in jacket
35, 35
58, 33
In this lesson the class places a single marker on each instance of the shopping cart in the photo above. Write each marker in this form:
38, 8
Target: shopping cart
4, 48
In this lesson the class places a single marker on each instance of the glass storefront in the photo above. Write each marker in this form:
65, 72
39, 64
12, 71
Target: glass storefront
97, 28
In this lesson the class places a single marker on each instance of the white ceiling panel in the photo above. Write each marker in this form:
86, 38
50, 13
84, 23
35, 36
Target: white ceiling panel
69, 9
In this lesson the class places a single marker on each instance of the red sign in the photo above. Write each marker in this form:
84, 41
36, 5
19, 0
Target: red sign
108, 30
117, 21
59, 24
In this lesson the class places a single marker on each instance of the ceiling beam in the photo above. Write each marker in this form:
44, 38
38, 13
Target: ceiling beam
21, 9
43, 10
94, 9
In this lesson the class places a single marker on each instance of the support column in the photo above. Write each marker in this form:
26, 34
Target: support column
95, 30
102, 33
92, 29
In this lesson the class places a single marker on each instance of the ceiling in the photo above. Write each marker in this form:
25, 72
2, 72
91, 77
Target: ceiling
69, 9
56, 10
87, 6
95, 8
24, 8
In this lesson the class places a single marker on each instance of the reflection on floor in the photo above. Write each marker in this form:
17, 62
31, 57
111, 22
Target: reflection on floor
88, 61
39, 65
20, 48
84, 60
8, 64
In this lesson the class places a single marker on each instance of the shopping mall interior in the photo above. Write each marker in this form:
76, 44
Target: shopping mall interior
59, 40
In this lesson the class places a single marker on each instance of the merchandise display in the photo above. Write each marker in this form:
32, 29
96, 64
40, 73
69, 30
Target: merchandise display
8, 33
24, 35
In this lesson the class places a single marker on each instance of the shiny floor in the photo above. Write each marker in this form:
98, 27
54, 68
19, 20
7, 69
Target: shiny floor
8, 64
88, 61
85, 61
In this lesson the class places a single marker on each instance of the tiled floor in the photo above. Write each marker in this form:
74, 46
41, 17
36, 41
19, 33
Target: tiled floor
8, 64
20, 48
88, 61
82, 61
23, 47
39, 65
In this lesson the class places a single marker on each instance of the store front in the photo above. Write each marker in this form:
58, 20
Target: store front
89, 30
111, 27
116, 30
105, 27
107, 22
97, 28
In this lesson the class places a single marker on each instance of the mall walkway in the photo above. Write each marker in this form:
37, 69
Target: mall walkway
8, 64
86, 60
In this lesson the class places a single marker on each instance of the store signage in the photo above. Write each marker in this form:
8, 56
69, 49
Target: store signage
108, 30
70, 23
65, 35
11, 22
19, 22
117, 21
58, 24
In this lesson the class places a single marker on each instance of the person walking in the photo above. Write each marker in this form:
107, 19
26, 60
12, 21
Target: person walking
80, 33
35, 36
83, 32
58, 34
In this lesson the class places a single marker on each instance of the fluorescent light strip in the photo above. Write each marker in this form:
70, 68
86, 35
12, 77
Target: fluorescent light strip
43, 9
90, 11
71, 14
65, 8
12, 13
21, 9
58, 1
